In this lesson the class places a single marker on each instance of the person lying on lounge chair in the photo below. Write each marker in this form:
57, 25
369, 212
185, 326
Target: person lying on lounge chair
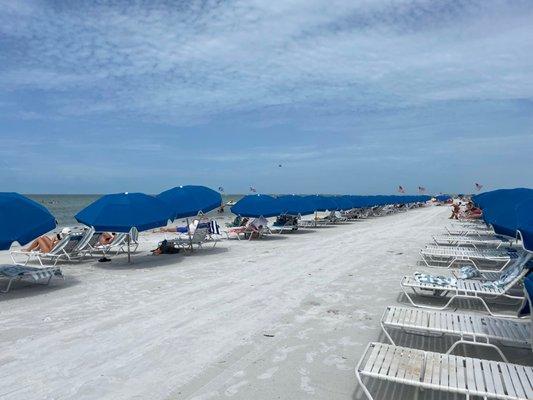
46, 243
180, 229
472, 212
106, 238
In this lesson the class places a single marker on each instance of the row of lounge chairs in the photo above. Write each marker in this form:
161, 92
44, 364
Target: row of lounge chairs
82, 243
75, 246
510, 278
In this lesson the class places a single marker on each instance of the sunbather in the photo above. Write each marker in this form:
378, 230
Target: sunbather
472, 212
106, 238
46, 243
180, 229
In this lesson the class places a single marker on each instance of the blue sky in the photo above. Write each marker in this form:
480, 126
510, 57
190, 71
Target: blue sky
348, 96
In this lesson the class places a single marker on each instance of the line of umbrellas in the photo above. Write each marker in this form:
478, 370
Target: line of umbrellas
22, 219
509, 211
262, 205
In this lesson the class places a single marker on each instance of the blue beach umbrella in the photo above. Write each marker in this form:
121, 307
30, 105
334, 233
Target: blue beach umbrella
187, 201
499, 209
323, 203
121, 212
257, 205
295, 205
22, 220
343, 202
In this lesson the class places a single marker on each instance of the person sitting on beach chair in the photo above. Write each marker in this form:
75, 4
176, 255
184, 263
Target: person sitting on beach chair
455, 211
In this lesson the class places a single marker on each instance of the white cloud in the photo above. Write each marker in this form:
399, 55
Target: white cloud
189, 63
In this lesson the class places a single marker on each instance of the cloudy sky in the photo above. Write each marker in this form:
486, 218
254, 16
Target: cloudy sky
354, 96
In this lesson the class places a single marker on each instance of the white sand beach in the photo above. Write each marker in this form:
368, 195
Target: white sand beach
286, 317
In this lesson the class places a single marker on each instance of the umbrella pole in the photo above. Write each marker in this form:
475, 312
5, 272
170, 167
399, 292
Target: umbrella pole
129, 254
189, 233
316, 216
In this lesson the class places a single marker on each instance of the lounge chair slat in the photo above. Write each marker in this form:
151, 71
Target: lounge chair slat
527, 386
509, 387
469, 371
517, 384
527, 381
478, 375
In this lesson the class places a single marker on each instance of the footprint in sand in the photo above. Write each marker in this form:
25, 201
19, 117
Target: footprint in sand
310, 357
303, 333
305, 382
234, 389
337, 361
282, 353
207, 396
268, 373
347, 341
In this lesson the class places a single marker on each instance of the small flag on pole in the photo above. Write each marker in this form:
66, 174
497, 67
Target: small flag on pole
252, 189
221, 189
478, 187
401, 189
421, 189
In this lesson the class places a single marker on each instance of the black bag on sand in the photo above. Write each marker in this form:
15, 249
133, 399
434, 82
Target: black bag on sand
166, 248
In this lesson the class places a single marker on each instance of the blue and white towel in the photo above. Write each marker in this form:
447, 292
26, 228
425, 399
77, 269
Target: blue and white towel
435, 279
505, 278
468, 272
214, 228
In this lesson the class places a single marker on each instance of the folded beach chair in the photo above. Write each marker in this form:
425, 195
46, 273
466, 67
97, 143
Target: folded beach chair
438, 256
444, 373
19, 272
493, 241
469, 329
483, 291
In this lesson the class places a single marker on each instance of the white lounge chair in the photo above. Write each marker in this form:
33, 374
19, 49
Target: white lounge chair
494, 241
290, 225
198, 238
71, 247
19, 272
471, 329
470, 231
444, 373
118, 245
472, 289
437, 256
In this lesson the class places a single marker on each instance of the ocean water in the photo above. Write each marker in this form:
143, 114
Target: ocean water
65, 206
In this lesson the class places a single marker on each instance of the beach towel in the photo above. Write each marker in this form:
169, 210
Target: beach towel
435, 279
214, 228
468, 272
505, 278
